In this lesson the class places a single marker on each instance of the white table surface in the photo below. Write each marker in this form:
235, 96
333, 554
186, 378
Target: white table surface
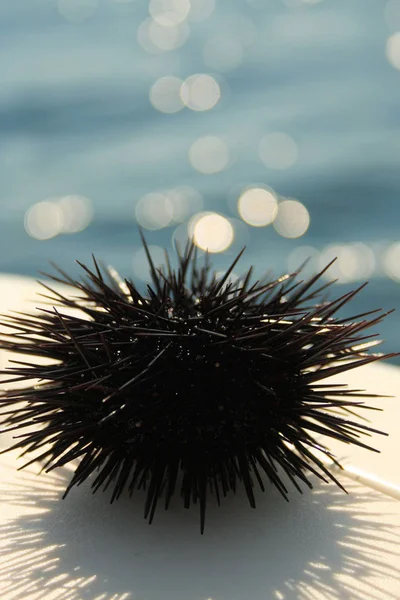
323, 545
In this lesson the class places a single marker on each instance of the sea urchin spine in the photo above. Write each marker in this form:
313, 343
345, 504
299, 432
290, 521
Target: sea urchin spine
199, 384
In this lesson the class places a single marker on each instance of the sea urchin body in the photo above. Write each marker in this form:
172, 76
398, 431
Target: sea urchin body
199, 385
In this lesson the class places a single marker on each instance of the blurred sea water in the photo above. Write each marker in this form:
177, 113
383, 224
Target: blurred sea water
100, 116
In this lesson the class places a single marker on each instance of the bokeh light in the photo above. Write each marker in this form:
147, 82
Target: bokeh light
169, 12
154, 211
140, 264
165, 94
354, 262
393, 50
200, 92
44, 220
258, 207
391, 261
200, 10
278, 150
223, 52
292, 220
77, 11
77, 213
209, 155
211, 231
65, 214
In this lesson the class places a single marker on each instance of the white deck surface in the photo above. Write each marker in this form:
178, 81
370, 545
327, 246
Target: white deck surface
324, 545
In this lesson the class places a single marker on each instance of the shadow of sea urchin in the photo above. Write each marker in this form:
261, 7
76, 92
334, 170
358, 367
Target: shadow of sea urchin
201, 384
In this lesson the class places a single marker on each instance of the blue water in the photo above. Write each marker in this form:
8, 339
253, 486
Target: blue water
75, 118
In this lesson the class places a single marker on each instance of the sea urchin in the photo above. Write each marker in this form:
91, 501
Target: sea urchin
201, 384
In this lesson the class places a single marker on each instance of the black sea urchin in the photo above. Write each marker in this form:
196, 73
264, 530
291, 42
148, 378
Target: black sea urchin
201, 383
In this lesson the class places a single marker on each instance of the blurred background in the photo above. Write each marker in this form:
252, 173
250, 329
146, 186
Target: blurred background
273, 124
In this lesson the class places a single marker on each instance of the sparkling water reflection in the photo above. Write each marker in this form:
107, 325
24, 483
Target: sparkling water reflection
270, 123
